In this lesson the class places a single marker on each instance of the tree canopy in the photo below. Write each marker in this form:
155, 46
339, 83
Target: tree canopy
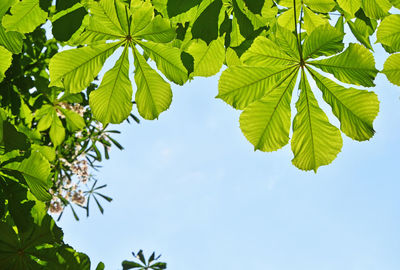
55, 112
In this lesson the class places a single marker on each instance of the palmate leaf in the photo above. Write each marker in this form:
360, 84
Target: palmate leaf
315, 141
75, 69
355, 109
154, 95
356, 65
111, 102
392, 69
130, 25
389, 32
25, 16
5, 61
266, 122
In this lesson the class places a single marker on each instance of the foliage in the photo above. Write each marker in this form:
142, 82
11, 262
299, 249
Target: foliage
51, 105
151, 263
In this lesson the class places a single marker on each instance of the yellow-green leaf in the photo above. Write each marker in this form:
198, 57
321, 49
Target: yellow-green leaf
112, 101
315, 141
75, 69
153, 94
356, 65
25, 16
266, 122
355, 109
392, 69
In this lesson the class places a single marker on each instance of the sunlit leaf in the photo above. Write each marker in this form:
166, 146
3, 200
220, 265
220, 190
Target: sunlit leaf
266, 122
25, 16
153, 94
356, 109
75, 69
392, 69
315, 141
111, 102
356, 65
208, 60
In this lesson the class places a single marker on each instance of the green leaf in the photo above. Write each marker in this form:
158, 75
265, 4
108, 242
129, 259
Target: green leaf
57, 130
153, 94
168, 60
376, 9
356, 65
264, 52
360, 31
241, 85
130, 265
350, 6
5, 61
26, 16
111, 102
392, 69
312, 20
389, 32
100, 266
266, 122
231, 58
36, 171
355, 109
315, 141
288, 42
5, 5
208, 60
12, 41
158, 30
175, 7
142, 15
75, 69
323, 6
74, 121
65, 26
324, 40
395, 3
105, 14
48, 152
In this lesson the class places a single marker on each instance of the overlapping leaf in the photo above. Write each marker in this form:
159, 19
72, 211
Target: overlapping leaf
25, 16
127, 26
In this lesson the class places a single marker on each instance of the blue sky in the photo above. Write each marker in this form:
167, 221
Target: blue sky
190, 186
